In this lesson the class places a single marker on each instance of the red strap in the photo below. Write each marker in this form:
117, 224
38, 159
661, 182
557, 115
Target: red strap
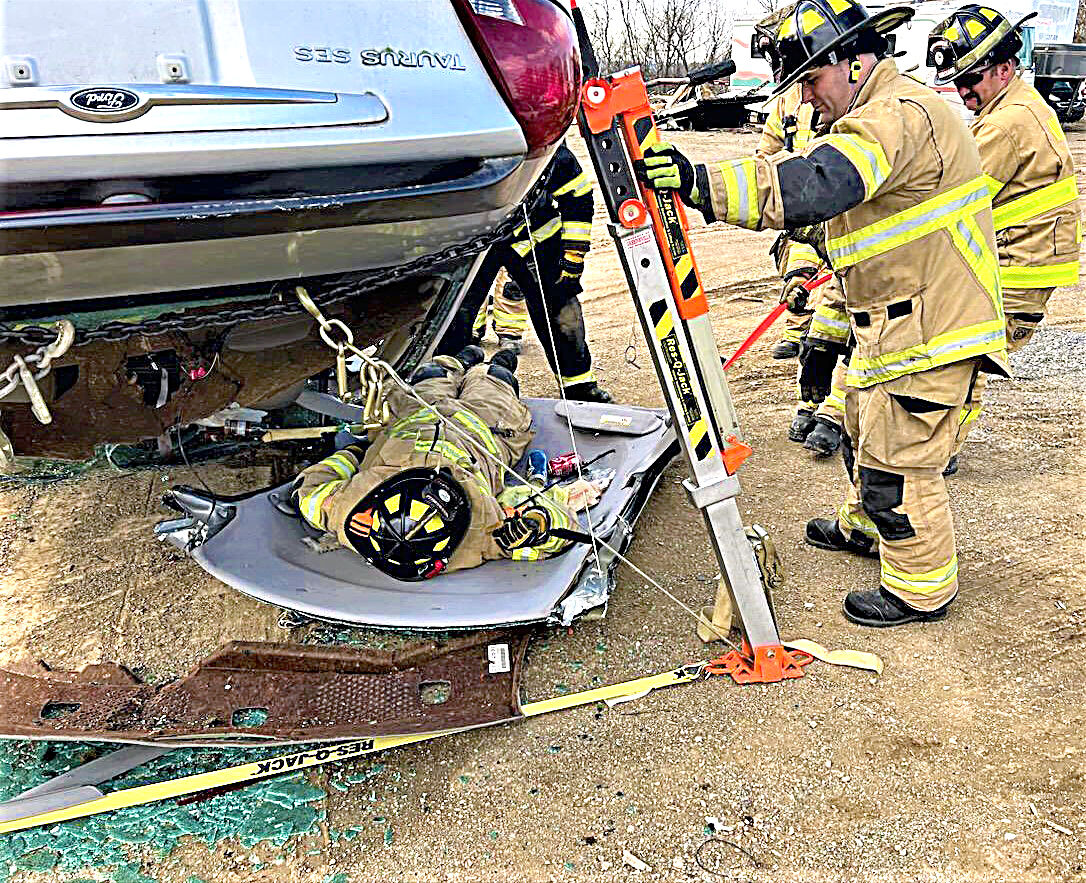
771, 318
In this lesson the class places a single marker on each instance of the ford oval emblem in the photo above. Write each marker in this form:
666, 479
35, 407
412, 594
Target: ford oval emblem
105, 100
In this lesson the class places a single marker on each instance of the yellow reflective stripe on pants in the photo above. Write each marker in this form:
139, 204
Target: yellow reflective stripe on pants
741, 184
943, 349
588, 376
340, 464
479, 325
829, 323
578, 231
800, 254
478, 429
546, 231
792, 334
510, 324
933, 214
920, 583
867, 157
969, 414
847, 521
835, 400
410, 425
1031, 205
573, 184
311, 504
1040, 277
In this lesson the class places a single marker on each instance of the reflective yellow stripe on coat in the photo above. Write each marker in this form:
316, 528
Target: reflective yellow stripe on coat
938, 213
943, 349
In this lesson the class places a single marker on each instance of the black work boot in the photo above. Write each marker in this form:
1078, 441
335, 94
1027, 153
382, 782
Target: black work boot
823, 533
951, 466
785, 349
507, 358
470, 356
588, 392
802, 424
825, 438
880, 609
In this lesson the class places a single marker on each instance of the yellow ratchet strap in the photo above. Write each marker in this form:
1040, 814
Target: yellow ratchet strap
337, 751
850, 658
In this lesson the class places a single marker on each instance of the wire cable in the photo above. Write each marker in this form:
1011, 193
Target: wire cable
561, 385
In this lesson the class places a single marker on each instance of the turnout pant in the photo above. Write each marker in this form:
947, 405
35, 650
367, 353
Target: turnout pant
1024, 309
555, 309
795, 326
505, 307
900, 435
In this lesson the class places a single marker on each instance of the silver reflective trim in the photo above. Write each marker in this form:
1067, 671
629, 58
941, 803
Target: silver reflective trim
744, 192
930, 355
970, 239
980, 194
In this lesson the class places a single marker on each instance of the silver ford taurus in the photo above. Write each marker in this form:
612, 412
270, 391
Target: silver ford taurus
171, 170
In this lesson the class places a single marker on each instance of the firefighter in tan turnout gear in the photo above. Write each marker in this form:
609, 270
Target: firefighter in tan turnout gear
790, 126
909, 231
428, 495
1026, 161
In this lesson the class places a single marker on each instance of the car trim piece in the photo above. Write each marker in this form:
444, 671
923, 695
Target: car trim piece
220, 107
112, 226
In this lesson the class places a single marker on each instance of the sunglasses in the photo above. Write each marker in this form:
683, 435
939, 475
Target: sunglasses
968, 81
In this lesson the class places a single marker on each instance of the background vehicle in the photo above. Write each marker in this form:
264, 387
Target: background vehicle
170, 169
1053, 64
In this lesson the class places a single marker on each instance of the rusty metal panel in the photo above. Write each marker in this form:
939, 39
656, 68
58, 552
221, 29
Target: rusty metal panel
263, 693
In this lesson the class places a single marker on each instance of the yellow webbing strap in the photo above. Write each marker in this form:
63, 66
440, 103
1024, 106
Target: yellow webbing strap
851, 658
284, 763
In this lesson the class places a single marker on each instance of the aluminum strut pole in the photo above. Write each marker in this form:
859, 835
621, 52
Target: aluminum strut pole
649, 229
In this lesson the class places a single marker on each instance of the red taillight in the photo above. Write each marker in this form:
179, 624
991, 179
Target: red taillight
531, 50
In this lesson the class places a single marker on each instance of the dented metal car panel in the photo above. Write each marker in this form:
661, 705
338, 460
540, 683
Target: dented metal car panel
270, 694
255, 546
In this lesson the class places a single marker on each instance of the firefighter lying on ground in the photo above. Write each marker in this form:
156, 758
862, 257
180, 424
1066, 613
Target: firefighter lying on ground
909, 231
546, 259
1028, 166
423, 498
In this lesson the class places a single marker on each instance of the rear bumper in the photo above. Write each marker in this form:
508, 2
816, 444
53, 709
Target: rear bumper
80, 254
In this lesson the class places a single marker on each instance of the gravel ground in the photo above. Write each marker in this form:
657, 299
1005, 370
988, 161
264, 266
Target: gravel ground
964, 761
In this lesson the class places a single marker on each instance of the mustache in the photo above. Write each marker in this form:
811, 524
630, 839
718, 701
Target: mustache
970, 94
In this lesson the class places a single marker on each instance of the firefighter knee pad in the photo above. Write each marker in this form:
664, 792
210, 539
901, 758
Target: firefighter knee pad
880, 493
500, 372
428, 371
1020, 328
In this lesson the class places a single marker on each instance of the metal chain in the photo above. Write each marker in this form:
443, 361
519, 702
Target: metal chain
62, 334
345, 287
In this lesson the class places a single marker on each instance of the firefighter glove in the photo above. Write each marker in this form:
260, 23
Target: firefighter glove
522, 530
817, 360
794, 293
665, 168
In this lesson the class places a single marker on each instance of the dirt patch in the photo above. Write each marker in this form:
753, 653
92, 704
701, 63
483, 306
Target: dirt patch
955, 765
